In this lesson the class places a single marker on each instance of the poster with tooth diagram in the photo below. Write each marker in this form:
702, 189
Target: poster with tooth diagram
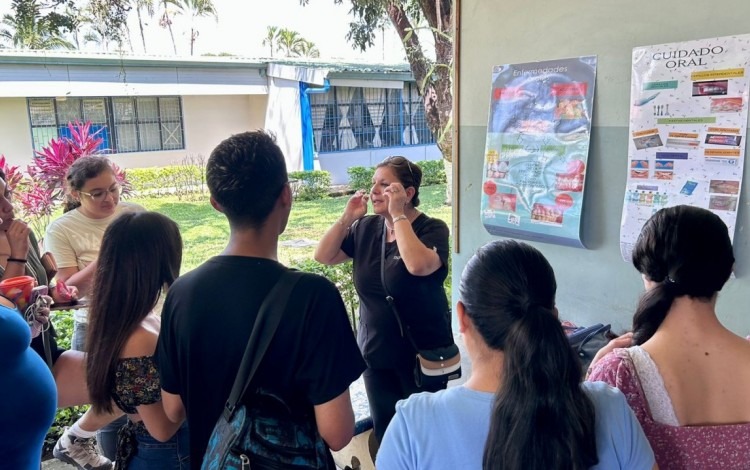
537, 149
688, 118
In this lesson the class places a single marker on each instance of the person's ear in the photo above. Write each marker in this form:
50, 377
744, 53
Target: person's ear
410, 192
556, 312
216, 205
463, 319
286, 195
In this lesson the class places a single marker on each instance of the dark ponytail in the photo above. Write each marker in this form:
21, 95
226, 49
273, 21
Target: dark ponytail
541, 417
685, 251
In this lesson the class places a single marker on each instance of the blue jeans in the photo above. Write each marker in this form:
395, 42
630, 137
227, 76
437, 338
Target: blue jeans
152, 454
106, 436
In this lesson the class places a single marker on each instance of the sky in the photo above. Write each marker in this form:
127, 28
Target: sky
242, 25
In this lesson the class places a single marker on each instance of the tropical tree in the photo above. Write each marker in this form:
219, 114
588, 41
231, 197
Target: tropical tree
308, 49
289, 42
272, 38
28, 28
196, 9
166, 19
148, 6
433, 77
107, 20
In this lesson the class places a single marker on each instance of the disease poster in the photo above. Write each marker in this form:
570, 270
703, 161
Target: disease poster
688, 118
537, 149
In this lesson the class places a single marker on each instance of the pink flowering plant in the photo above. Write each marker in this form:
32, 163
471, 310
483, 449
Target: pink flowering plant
38, 194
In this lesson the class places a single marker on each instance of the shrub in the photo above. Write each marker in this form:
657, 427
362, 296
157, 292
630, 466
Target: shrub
360, 177
185, 179
433, 172
341, 276
310, 184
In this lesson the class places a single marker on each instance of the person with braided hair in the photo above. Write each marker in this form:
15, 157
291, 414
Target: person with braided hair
686, 376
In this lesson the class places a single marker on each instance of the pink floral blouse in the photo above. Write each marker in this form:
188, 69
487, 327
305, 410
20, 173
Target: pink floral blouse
723, 447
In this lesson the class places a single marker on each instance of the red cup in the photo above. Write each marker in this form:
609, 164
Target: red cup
18, 290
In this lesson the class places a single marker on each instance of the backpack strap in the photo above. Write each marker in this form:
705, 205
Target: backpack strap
264, 328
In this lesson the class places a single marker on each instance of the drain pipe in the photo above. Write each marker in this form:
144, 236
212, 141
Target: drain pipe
308, 138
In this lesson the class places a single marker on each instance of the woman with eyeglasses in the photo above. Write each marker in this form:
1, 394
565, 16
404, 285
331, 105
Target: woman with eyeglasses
93, 202
415, 265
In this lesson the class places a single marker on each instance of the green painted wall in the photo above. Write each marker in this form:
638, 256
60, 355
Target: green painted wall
595, 284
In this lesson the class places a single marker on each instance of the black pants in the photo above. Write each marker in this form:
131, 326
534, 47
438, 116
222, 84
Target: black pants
384, 388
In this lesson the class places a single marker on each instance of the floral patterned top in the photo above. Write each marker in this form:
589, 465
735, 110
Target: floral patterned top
723, 447
136, 383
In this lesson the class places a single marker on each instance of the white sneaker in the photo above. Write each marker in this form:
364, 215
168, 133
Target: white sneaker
80, 452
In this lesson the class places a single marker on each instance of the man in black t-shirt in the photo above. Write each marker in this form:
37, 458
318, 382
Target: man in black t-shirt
209, 312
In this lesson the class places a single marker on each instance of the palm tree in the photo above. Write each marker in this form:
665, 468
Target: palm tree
197, 8
26, 28
147, 5
166, 21
308, 49
272, 38
289, 41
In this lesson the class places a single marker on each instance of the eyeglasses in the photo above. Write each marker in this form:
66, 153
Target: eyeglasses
101, 194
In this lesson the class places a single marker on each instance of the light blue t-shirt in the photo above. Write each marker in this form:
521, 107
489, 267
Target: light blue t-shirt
448, 430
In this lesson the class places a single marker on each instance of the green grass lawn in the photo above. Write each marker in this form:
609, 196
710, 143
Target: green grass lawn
205, 231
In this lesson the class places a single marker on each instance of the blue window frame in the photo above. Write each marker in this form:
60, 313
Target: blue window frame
127, 124
349, 118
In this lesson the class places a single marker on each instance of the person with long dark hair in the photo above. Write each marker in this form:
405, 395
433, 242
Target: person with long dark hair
413, 248
687, 377
92, 203
140, 256
524, 405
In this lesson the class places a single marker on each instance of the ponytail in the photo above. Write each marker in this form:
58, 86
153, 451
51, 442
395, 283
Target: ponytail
653, 307
541, 417
69, 203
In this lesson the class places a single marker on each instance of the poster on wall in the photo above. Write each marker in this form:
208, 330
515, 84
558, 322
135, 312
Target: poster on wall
537, 149
688, 116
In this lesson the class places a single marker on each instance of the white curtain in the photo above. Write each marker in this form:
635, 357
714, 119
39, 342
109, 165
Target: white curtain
411, 105
318, 116
347, 141
376, 107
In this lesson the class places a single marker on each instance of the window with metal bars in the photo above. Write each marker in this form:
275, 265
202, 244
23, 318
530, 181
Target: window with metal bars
126, 124
355, 118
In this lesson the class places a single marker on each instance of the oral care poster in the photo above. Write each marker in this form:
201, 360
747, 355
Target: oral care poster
688, 116
537, 149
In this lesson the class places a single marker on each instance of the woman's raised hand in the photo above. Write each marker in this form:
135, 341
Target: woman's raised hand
356, 207
397, 199
18, 239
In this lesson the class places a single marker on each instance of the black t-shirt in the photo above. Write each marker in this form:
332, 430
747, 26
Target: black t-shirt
206, 322
420, 300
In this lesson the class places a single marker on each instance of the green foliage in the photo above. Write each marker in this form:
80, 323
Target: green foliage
433, 172
186, 179
63, 323
28, 28
360, 177
63, 418
310, 185
341, 276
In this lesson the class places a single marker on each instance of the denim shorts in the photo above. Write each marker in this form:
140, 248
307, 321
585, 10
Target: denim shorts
152, 454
